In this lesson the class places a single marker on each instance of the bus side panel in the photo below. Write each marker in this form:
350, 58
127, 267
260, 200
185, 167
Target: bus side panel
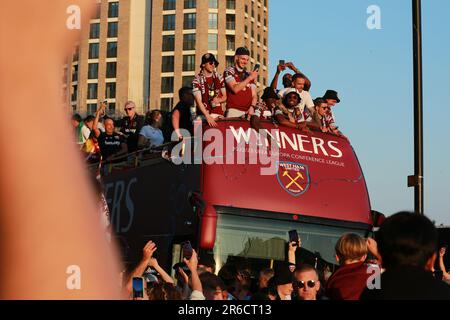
151, 203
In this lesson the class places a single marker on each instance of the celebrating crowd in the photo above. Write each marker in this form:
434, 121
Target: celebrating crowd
401, 266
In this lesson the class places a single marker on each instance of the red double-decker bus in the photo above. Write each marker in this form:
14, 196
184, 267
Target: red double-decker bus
233, 210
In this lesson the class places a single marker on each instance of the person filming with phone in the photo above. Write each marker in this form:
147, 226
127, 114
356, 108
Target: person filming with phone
240, 86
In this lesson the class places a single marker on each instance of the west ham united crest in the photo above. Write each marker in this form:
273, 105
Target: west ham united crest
293, 177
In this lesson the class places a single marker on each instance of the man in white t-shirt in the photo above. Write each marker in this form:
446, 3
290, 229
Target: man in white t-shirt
298, 83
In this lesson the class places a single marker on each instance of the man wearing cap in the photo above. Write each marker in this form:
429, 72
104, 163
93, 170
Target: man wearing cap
282, 281
240, 86
209, 90
331, 98
298, 83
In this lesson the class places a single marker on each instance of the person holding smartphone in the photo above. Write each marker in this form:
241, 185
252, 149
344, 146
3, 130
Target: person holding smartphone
240, 86
209, 90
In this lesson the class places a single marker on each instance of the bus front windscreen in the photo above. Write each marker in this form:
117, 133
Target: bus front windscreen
265, 240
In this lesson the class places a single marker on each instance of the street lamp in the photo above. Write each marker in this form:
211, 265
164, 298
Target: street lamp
417, 180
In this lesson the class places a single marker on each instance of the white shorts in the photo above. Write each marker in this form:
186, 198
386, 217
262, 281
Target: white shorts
234, 113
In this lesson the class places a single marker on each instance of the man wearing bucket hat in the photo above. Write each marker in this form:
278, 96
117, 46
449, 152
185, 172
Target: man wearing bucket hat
240, 86
209, 90
331, 98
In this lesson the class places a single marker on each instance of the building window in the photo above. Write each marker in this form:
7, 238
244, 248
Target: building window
167, 64
111, 50
97, 11
94, 32
231, 44
259, 37
246, 8
168, 43
189, 63
189, 41
111, 69
91, 108
93, 50
110, 92
230, 61
93, 71
231, 4
76, 54
265, 41
212, 42
74, 94
265, 22
75, 73
258, 58
231, 22
166, 104
169, 22
92, 91
190, 21
212, 21
113, 9
111, 108
190, 4
169, 4
264, 62
112, 29
213, 4
187, 81
167, 85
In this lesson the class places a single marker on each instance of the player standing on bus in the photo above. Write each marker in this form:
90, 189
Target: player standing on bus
209, 90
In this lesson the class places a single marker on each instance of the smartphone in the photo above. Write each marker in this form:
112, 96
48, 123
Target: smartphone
257, 66
282, 62
187, 250
293, 236
138, 287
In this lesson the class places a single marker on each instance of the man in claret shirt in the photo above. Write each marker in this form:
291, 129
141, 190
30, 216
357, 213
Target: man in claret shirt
240, 86
209, 90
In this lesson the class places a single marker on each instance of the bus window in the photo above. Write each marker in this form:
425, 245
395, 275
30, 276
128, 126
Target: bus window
265, 239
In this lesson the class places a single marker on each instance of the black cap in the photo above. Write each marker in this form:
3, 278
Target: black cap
332, 95
242, 51
207, 260
209, 57
283, 274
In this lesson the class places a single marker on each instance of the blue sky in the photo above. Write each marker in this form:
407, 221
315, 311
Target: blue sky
373, 72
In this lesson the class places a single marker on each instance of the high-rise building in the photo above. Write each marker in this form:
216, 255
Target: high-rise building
183, 30
145, 50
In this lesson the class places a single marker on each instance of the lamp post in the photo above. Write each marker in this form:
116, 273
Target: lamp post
417, 180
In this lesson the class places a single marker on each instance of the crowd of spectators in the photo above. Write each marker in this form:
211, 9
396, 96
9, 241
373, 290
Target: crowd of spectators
402, 258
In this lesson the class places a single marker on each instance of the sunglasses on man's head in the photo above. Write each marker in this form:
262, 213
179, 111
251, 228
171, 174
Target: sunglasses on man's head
326, 108
302, 284
128, 109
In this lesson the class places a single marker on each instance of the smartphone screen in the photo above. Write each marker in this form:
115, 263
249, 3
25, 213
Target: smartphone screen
293, 236
257, 66
282, 62
138, 287
187, 250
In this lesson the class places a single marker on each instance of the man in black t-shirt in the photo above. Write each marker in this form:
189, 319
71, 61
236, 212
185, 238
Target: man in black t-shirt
181, 114
131, 125
112, 144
